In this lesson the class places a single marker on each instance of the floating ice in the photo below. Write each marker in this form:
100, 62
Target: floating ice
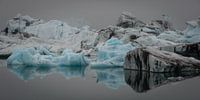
19, 23
171, 36
127, 20
152, 31
192, 33
41, 56
82, 38
152, 41
57, 35
112, 53
53, 29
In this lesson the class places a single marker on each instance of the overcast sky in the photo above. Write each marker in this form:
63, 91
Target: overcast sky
100, 13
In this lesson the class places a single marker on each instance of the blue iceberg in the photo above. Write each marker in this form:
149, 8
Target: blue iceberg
112, 53
192, 32
43, 57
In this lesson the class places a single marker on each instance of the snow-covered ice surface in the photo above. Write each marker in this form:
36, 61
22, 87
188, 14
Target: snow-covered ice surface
171, 36
52, 29
19, 23
153, 41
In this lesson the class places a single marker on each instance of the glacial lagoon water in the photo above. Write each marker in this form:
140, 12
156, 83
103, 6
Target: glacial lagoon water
84, 83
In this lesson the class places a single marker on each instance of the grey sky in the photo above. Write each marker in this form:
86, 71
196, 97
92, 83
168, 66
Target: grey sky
100, 13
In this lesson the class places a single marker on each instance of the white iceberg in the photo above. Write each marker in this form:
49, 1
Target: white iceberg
112, 53
171, 36
52, 29
19, 23
82, 38
145, 41
54, 34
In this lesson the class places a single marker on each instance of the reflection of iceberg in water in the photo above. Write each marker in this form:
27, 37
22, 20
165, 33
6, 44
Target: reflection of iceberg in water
72, 72
142, 81
110, 77
30, 72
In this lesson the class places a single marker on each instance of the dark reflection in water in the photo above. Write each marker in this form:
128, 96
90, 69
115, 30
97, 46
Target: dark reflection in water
112, 78
30, 72
184, 57
142, 81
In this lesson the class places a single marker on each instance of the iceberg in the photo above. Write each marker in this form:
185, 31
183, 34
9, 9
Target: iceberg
19, 23
150, 30
127, 20
192, 32
152, 41
132, 34
178, 58
112, 53
107, 47
159, 26
82, 38
107, 33
69, 58
42, 57
52, 29
26, 32
171, 36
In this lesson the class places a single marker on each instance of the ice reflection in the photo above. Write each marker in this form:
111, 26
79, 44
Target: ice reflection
30, 72
142, 81
112, 78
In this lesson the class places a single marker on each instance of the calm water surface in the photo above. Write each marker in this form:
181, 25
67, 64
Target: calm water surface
83, 83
